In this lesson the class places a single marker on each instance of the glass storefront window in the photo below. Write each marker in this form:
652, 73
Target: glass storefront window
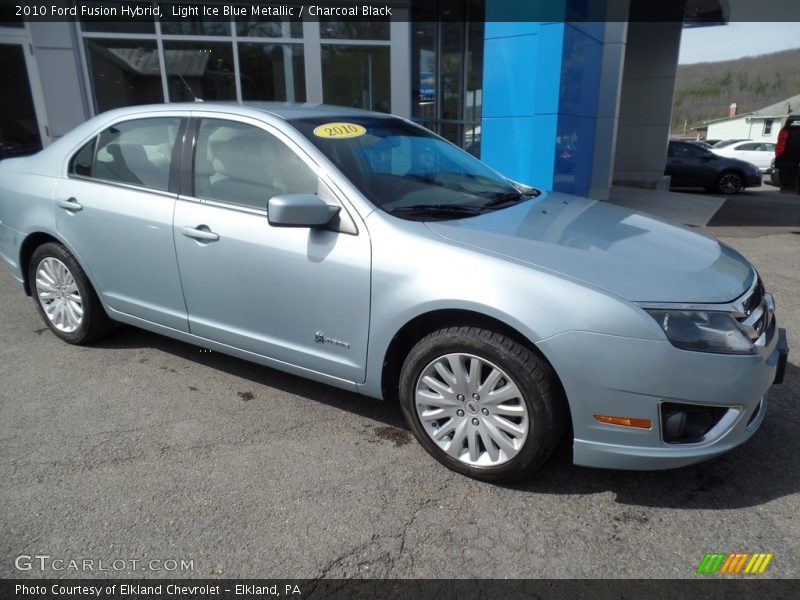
378, 29
447, 69
201, 70
275, 28
124, 72
146, 25
452, 70
19, 128
423, 70
452, 132
356, 76
194, 26
272, 72
474, 100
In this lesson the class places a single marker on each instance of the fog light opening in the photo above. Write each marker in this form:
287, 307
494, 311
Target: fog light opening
688, 424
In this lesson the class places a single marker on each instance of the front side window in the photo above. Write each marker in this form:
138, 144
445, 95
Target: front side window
137, 152
685, 151
407, 171
241, 164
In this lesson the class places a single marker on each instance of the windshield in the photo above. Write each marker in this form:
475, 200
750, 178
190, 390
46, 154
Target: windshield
407, 171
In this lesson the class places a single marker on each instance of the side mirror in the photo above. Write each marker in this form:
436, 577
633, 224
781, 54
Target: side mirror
709, 156
299, 210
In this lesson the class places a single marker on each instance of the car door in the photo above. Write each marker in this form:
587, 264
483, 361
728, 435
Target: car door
688, 165
296, 295
746, 151
115, 209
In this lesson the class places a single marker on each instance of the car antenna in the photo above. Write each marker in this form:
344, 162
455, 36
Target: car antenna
191, 91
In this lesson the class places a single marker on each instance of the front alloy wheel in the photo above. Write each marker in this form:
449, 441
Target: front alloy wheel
471, 409
481, 403
730, 183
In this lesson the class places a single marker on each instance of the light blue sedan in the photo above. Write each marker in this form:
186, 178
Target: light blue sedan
360, 250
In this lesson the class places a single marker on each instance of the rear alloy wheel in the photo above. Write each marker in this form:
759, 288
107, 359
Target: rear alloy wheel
64, 297
730, 183
481, 404
58, 295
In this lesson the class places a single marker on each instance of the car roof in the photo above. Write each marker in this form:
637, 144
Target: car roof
283, 110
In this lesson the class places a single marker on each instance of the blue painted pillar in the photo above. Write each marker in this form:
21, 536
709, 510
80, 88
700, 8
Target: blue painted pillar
540, 97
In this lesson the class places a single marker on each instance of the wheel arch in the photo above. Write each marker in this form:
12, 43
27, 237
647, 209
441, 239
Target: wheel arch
425, 323
29, 245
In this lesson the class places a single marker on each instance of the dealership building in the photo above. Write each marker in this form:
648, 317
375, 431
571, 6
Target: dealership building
574, 103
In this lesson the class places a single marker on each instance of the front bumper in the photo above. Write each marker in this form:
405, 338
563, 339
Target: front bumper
752, 180
610, 375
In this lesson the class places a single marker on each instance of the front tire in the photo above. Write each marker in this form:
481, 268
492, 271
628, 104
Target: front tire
730, 182
64, 296
481, 404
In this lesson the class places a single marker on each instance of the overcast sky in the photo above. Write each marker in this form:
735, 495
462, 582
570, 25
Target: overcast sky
735, 40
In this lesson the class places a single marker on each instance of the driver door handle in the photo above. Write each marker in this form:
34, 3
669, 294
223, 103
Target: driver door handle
201, 232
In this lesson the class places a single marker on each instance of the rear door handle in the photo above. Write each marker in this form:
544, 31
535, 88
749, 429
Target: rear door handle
71, 204
201, 232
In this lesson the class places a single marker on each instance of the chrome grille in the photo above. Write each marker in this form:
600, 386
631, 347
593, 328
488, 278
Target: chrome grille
755, 313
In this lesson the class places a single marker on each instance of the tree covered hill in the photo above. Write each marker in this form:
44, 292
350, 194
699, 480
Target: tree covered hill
704, 91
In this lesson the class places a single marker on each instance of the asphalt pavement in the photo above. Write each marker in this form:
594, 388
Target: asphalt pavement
144, 448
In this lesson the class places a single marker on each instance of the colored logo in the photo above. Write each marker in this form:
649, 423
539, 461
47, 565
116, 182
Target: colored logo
734, 562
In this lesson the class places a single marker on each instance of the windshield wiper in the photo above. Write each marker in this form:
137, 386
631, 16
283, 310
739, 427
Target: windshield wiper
504, 198
455, 210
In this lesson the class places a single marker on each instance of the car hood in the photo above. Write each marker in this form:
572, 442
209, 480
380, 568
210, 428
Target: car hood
621, 251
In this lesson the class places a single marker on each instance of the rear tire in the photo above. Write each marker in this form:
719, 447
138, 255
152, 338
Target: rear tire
482, 404
64, 296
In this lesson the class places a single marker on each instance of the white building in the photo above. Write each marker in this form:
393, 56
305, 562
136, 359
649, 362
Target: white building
760, 125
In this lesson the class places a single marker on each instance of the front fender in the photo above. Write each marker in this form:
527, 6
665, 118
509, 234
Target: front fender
432, 274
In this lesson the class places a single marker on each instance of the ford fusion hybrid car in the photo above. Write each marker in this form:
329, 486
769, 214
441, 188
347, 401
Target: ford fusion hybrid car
363, 251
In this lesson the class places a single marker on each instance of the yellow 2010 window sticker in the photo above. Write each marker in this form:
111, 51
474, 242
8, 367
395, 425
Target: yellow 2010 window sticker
339, 130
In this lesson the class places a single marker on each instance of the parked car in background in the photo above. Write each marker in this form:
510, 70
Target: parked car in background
699, 143
361, 250
758, 153
723, 143
773, 175
787, 156
690, 165
710, 142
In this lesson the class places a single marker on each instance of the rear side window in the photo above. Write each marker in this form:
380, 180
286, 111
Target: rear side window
241, 164
136, 152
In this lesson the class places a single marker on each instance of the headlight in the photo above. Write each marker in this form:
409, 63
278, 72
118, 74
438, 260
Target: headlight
703, 331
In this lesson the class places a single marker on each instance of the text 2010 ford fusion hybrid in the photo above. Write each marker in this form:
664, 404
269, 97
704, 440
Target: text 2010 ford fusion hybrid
360, 250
